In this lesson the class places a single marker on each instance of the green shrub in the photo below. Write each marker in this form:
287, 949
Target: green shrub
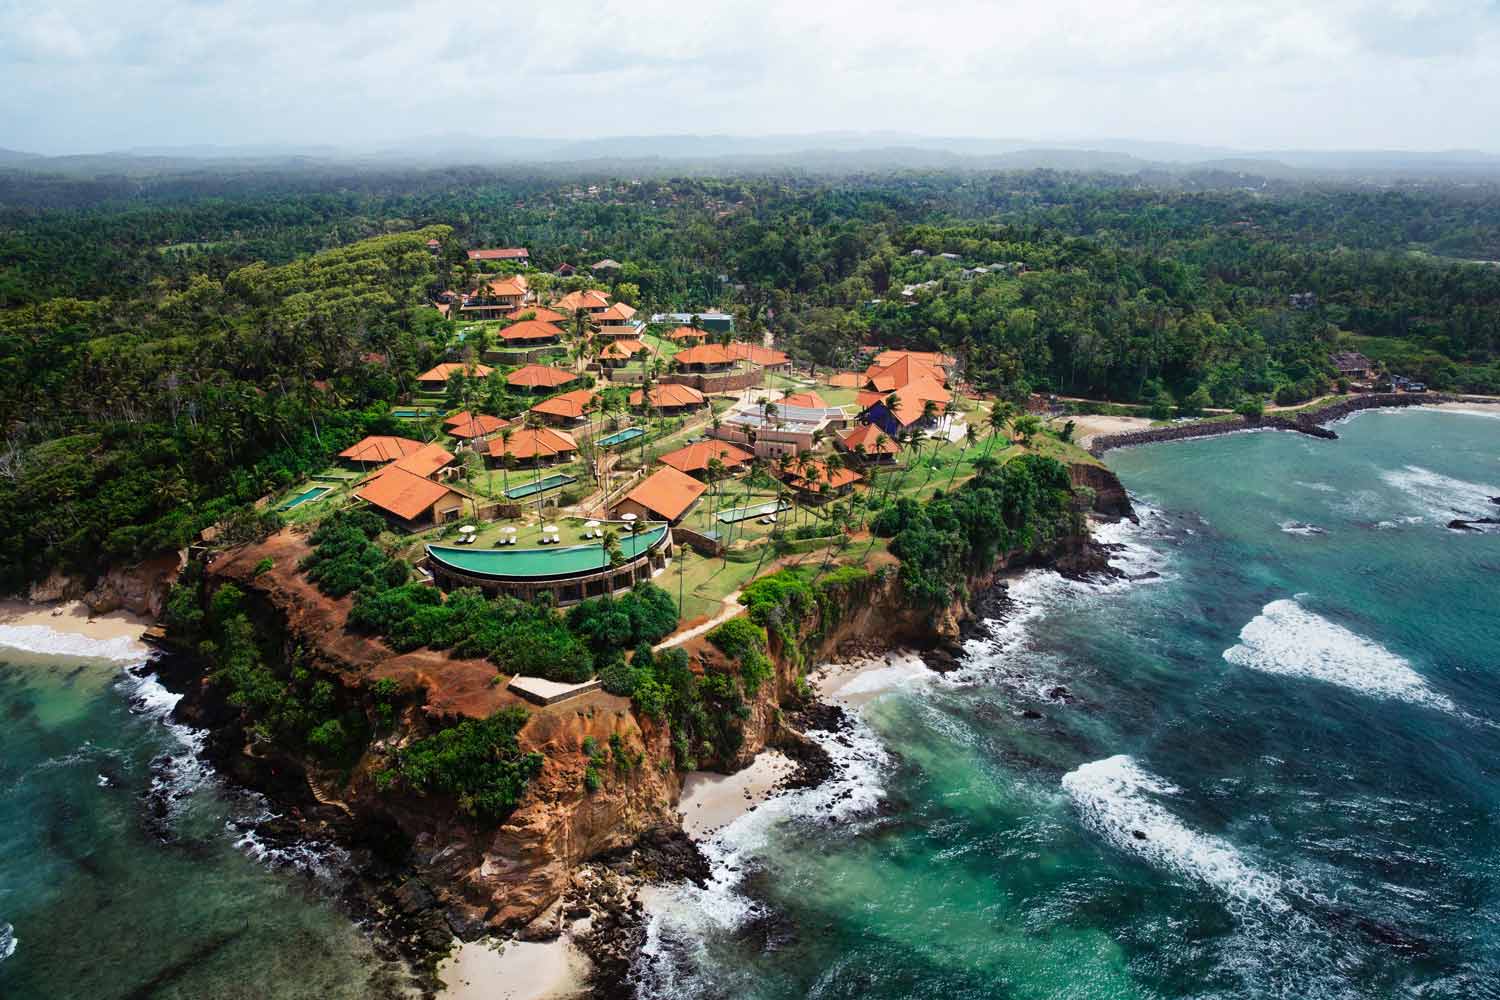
479, 761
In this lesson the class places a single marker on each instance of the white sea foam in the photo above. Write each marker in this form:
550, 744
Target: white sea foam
680, 917
1301, 528
8, 941
1286, 638
41, 639
1442, 497
1118, 800
1320, 487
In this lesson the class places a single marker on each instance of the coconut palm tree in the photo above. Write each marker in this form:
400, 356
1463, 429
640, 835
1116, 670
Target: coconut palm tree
1001, 414
506, 458
970, 436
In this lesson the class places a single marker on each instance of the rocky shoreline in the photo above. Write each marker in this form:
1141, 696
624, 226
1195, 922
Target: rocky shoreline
1310, 423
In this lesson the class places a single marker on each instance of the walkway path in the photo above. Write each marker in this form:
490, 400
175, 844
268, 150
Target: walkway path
731, 608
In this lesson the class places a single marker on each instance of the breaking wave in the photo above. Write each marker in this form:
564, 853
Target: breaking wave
1442, 497
1301, 528
1287, 639
8, 941
41, 639
1118, 800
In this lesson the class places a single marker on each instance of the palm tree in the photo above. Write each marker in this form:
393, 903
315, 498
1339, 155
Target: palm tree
970, 436
506, 458
611, 545
929, 410
1002, 413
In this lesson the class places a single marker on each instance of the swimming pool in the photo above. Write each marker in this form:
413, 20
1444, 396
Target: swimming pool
411, 412
540, 486
620, 437
758, 510
307, 496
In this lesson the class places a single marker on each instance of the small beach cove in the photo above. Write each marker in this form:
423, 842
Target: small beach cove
1192, 778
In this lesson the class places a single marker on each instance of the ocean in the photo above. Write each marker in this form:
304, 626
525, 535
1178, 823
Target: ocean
128, 868
1267, 766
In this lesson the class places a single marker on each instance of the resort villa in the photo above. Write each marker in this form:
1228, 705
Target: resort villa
777, 429
435, 379
914, 380
591, 301
515, 254
694, 459
686, 335
530, 333
500, 295
534, 446
869, 443
379, 449
665, 495
412, 502
1352, 365
474, 426
539, 378
618, 353
566, 410
703, 358
814, 479
669, 398
765, 357
539, 313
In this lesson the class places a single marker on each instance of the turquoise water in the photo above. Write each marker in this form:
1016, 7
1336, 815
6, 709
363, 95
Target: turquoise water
125, 868
306, 496
1275, 771
621, 436
540, 486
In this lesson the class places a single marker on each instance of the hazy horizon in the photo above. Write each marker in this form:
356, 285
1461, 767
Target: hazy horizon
1351, 75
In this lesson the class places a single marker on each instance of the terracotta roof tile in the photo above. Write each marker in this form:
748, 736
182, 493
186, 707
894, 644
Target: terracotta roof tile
477, 425
569, 405
538, 313
756, 354
403, 493
869, 435
531, 442
669, 395
809, 400
695, 457
667, 493
530, 329
440, 373
380, 448
703, 354
540, 377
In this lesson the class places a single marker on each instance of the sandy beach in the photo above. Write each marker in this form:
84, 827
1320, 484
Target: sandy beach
711, 801
71, 629
1483, 409
514, 970
1086, 427
860, 681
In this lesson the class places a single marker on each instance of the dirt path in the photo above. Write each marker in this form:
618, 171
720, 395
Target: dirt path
731, 607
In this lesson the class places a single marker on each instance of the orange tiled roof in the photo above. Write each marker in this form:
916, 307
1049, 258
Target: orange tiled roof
531, 442
622, 349
380, 448
667, 493
540, 377
756, 354
869, 435
569, 405
440, 373
931, 358
810, 400
590, 298
695, 457
504, 253
538, 313
477, 425
403, 493
425, 460
669, 394
847, 380
530, 329
505, 287
809, 476
703, 354
686, 333
620, 312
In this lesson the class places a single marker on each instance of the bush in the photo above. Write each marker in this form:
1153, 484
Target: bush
479, 761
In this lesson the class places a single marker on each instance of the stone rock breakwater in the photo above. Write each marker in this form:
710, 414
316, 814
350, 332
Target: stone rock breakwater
1310, 422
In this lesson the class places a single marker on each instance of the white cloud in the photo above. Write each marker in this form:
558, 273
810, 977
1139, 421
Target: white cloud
87, 75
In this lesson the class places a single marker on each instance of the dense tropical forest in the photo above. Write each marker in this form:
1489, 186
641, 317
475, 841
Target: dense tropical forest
173, 349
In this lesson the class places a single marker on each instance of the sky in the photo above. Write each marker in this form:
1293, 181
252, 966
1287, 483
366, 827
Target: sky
97, 75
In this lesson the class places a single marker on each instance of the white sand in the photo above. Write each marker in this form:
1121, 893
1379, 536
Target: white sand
71, 629
514, 970
712, 801
1086, 427
1485, 409
854, 684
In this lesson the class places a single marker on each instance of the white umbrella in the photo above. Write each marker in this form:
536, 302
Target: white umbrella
627, 517
467, 529
549, 528
591, 524
509, 529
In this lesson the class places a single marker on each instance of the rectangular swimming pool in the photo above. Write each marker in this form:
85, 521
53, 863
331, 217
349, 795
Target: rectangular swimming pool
411, 412
307, 496
540, 486
621, 436
759, 510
